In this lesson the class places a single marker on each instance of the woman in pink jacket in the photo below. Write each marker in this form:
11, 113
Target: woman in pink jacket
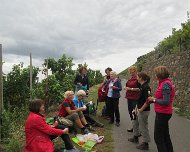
164, 97
38, 132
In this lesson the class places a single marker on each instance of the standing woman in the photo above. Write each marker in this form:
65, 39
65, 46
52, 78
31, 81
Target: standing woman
132, 92
106, 79
81, 80
163, 100
114, 87
140, 124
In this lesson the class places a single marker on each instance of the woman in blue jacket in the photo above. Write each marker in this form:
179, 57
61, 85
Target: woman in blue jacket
79, 102
114, 87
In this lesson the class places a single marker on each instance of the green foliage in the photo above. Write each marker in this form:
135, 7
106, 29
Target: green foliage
179, 40
95, 77
51, 89
14, 145
12, 129
60, 68
17, 85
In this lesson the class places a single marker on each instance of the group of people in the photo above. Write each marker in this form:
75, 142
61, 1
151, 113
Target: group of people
39, 134
74, 108
139, 97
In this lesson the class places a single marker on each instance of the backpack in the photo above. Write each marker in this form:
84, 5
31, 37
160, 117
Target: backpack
102, 94
91, 108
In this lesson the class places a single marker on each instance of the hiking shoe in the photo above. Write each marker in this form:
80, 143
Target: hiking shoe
117, 124
135, 139
143, 146
98, 124
85, 131
130, 130
90, 128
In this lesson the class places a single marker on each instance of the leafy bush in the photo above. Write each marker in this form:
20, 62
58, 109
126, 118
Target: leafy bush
13, 129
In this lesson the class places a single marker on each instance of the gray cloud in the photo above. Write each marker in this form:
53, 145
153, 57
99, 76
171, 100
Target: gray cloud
86, 29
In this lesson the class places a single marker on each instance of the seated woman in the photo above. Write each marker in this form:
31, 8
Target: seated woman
71, 112
38, 133
79, 102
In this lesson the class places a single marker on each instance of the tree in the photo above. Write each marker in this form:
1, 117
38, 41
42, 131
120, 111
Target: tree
17, 85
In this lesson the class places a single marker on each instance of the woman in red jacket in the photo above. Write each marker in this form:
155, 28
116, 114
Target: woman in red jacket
38, 132
132, 92
164, 97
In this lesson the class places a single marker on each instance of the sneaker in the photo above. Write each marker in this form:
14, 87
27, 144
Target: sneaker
135, 139
130, 130
143, 146
98, 124
117, 124
85, 131
90, 128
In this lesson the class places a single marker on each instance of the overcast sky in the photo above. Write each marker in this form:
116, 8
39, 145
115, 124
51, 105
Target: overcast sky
100, 32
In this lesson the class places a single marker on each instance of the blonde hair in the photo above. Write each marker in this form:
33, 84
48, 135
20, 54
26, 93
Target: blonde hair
161, 72
67, 93
81, 93
132, 69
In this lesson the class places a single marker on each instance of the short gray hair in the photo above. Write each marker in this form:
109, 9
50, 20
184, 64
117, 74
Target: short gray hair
81, 93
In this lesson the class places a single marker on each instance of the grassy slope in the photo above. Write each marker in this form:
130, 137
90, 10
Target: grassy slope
107, 144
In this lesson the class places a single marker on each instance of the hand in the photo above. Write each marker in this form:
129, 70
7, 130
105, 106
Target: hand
84, 108
113, 87
55, 124
127, 88
103, 90
66, 131
140, 110
81, 109
151, 99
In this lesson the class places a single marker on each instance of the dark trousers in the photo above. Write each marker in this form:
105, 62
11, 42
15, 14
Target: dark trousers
161, 133
107, 106
131, 105
88, 118
113, 108
65, 138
